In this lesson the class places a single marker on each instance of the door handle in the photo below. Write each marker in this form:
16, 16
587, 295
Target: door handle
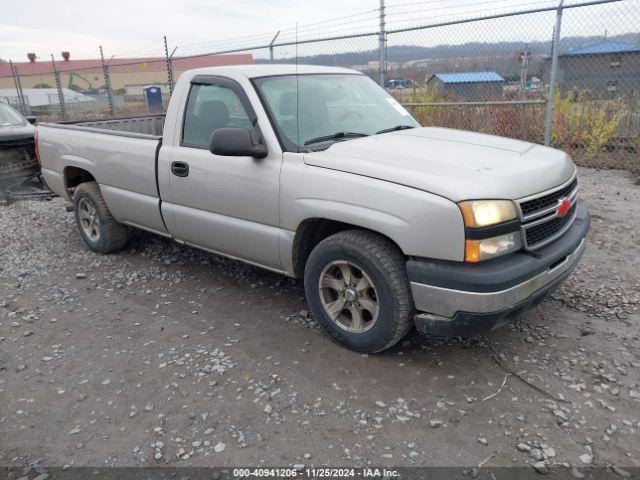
180, 169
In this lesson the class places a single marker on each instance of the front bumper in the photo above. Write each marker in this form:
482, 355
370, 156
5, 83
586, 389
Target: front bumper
460, 299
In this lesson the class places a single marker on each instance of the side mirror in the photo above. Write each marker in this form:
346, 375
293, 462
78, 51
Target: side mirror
235, 142
31, 119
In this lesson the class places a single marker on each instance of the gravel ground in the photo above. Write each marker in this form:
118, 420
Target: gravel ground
165, 355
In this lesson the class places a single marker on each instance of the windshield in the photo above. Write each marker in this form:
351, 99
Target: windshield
8, 116
315, 111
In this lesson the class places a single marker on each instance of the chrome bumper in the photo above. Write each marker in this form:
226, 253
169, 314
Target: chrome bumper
446, 302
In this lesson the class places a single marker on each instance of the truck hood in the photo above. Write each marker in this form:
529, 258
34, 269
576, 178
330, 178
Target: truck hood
455, 164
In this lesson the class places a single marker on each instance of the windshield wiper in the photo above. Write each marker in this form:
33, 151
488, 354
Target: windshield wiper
335, 136
394, 129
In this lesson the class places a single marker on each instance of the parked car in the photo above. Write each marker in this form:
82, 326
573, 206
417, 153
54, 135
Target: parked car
317, 173
17, 154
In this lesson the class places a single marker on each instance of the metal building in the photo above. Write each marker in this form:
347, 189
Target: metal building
467, 86
601, 69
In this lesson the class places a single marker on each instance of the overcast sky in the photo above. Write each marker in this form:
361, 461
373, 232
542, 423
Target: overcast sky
130, 26
127, 28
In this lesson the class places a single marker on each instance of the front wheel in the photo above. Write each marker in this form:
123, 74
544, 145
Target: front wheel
357, 287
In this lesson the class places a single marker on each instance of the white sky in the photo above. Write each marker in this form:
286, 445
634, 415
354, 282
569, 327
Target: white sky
128, 28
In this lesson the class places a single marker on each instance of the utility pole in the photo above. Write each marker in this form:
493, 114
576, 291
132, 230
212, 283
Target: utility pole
524, 69
553, 75
107, 84
382, 46
56, 76
271, 46
169, 65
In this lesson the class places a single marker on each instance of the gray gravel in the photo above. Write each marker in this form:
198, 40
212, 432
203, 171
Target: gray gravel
163, 354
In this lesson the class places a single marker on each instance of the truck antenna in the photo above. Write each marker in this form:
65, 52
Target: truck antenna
297, 94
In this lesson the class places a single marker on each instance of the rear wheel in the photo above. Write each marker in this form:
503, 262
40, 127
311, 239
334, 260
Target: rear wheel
357, 287
97, 227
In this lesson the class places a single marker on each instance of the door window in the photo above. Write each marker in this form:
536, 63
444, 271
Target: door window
210, 107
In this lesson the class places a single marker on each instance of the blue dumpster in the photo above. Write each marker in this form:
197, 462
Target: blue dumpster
153, 95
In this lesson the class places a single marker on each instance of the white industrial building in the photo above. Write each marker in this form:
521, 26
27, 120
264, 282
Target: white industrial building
40, 97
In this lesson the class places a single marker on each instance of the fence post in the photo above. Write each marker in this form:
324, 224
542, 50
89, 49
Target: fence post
16, 80
271, 46
56, 76
169, 65
382, 46
553, 75
107, 84
25, 100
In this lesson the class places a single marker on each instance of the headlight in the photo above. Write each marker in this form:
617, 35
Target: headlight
491, 229
479, 250
482, 213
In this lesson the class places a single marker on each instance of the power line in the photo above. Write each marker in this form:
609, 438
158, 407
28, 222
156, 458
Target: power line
448, 8
350, 25
413, 3
484, 10
360, 25
269, 35
151, 48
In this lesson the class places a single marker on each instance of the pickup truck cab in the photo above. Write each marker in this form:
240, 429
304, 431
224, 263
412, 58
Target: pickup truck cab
319, 174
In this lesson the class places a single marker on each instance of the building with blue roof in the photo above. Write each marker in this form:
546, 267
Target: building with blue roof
467, 86
605, 47
602, 69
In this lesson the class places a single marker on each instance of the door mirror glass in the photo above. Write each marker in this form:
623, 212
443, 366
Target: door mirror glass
235, 142
31, 119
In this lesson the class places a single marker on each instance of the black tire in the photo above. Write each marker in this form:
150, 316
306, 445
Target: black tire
110, 235
385, 265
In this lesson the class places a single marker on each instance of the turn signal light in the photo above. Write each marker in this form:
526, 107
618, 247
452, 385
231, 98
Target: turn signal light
487, 248
472, 251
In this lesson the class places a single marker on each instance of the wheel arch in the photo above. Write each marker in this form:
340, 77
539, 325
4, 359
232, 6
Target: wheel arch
312, 231
74, 176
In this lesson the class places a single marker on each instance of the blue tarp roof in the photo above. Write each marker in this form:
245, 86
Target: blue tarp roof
603, 48
469, 77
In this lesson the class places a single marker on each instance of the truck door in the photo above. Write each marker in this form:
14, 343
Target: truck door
225, 204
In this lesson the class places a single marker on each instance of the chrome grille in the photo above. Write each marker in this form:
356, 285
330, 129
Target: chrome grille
541, 223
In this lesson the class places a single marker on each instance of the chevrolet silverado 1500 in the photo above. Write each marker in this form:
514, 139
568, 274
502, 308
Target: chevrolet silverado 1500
319, 174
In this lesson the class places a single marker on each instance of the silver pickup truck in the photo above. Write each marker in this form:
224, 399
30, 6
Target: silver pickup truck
319, 174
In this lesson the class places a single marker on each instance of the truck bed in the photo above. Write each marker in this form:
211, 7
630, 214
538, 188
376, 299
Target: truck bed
146, 125
120, 154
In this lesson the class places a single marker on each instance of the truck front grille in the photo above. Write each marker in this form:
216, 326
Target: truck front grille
539, 233
542, 222
532, 207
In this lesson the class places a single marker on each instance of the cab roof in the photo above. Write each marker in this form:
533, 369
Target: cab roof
268, 70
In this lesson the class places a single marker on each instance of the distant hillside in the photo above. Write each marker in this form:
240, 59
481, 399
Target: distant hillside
495, 56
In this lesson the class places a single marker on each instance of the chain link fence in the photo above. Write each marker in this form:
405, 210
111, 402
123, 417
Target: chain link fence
563, 73
481, 75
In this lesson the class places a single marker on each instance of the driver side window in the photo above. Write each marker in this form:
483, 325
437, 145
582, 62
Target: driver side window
210, 107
